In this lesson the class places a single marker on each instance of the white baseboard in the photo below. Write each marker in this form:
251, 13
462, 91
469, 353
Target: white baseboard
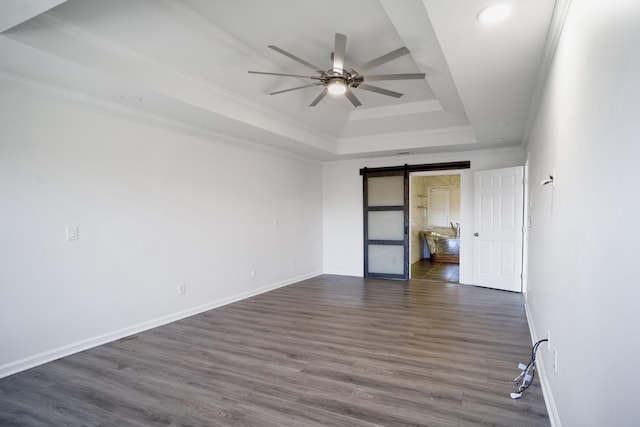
350, 273
552, 409
57, 353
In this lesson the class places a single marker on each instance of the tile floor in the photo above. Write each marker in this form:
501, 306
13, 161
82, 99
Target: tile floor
427, 270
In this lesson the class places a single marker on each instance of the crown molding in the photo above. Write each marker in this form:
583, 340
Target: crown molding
396, 110
558, 18
453, 155
407, 140
15, 12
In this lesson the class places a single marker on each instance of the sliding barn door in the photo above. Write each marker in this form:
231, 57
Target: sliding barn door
386, 224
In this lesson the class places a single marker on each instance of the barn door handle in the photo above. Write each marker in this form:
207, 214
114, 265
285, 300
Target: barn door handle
476, 234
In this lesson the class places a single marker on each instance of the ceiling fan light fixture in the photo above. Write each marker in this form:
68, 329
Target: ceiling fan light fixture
337, 87
495, 13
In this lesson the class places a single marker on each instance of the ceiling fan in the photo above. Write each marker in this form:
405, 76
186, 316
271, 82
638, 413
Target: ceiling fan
337, 80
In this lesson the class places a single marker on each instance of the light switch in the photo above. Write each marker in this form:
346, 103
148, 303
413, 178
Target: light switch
73, 233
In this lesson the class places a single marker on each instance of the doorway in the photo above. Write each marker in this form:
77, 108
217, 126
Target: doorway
492, 231
435, 218
386, 219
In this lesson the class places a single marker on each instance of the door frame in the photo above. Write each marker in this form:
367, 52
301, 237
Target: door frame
526, 223
462, 173
397, 170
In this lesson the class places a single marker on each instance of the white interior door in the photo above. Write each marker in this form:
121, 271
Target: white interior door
497, 245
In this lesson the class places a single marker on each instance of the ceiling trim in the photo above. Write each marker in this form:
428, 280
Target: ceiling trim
184, 11
407, 140
15, 12
430, 106
558, 18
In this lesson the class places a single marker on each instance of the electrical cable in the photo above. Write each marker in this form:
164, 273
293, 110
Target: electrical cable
527, 378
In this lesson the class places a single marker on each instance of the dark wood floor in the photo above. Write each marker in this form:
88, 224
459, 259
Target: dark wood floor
331, 350
425, 269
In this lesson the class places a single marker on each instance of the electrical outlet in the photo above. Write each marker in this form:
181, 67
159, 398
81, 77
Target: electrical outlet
73, 233
555, 360
182, 289
253, 273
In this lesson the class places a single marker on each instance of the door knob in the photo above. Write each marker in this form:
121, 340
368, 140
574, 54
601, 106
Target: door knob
476, 234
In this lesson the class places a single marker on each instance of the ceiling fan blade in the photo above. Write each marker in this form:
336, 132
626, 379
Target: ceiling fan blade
284, 75
379, 90
354, 100
377, 77
295, 58
383, 59
295, 88
318, 98
338, 52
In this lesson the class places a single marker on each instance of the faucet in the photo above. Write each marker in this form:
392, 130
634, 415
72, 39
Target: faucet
455, 228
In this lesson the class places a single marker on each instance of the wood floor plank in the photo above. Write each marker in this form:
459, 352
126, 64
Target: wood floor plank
332, 350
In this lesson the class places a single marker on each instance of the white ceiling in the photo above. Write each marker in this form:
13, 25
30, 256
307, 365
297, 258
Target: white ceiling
185, 63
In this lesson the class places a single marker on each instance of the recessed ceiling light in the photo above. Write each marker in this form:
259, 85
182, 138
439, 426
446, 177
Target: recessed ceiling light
495, 13
499, 140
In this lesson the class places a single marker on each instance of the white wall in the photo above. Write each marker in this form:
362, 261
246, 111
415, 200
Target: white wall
583, 280
155, 208
343, 226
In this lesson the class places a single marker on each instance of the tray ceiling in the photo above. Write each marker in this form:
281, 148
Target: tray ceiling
185, 63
